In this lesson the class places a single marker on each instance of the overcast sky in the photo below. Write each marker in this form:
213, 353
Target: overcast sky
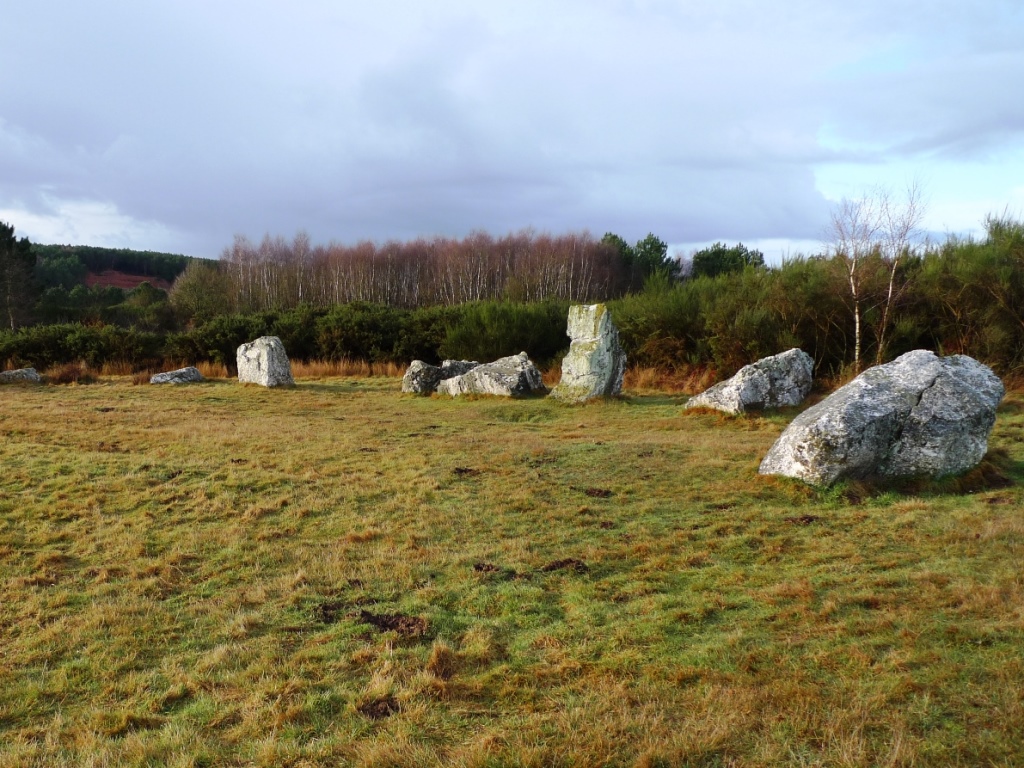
175, 125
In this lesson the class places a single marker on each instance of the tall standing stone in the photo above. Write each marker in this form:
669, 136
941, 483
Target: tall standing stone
919, 415
264, 362
596, 361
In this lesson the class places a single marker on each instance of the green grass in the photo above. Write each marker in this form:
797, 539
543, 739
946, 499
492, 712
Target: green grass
338, 574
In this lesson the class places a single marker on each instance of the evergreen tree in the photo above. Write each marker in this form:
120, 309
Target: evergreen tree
18, 292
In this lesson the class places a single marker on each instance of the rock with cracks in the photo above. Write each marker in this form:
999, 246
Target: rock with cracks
422, 378
20, 375
188, 375
512, 376
596, 361
920, 415
772, 382
264, 362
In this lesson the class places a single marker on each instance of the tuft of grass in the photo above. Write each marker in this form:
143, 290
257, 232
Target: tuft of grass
70, 373
335, 574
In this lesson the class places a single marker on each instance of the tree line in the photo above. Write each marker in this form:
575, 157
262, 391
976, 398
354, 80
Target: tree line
869, 296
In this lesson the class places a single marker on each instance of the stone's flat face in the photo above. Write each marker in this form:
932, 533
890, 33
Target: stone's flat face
772, 382
920, 415
188, 375
264, 362
20, 375
512, 376
422, 378
596, 362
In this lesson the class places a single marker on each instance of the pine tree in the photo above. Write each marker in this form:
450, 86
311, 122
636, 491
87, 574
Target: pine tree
18, 292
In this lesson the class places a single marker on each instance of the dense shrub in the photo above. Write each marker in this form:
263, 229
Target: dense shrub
488, 330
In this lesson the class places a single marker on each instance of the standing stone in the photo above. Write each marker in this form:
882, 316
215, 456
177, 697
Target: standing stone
20, 375
422, 378
508, 377
920, 415
596, 361
772, 382
264, 362
188, 375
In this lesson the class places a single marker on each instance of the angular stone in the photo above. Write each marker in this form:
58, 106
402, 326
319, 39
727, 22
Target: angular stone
20, 375
920, 415
596, 362
264, 362
508, 377
771, 382
187, 375
422, 378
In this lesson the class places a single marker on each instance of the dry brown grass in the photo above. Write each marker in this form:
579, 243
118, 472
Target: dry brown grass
688, 381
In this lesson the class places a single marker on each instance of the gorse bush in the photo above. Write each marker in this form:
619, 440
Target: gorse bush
965, 296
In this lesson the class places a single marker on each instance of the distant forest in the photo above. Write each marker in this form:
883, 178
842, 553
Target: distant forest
866, 298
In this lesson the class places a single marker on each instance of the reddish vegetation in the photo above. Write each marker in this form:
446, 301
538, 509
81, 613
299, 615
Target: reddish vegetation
113, 278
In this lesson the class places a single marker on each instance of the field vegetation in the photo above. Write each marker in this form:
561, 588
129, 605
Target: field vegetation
337, 574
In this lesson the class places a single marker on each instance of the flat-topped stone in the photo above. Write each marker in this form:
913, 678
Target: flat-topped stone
187, 375
20, 376
511, 376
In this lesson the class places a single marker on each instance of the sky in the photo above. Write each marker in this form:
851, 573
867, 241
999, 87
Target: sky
176, 125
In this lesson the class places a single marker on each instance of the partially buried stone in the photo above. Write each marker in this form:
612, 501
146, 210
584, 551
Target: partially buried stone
920, 415
187, 375
511, 376
422, 378
596, 362
771, 382
20, 375
264, 362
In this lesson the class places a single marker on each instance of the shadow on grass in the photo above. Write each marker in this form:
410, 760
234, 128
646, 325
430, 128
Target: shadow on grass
997, 470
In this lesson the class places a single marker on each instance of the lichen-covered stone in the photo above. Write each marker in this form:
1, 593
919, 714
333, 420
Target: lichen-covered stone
772, 382
187, 375
264, 362
596, 362
920, 415
511, 376
422, 378
20, 376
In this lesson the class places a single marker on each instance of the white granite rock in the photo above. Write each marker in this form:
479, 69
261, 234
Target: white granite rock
20, 375
422, 378
596, 362
508, 377
187, 375
264, 362
772, 382
920, 415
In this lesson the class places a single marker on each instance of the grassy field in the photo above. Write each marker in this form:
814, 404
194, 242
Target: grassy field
338, 574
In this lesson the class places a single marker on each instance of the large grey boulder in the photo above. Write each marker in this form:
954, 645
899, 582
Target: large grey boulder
508, 377
422, 378
20, 375
772, 382
920, 415
596, 361
264, 362
187, 375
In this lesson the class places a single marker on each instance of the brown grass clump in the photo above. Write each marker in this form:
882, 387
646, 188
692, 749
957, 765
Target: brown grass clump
70, 373
687, 380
